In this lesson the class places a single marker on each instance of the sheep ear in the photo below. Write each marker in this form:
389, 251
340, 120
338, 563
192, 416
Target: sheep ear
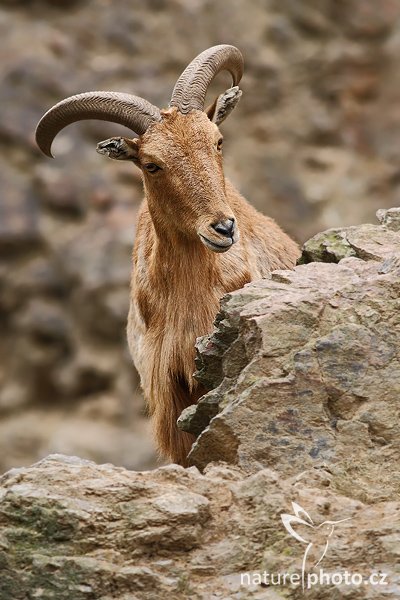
224, 105
120, 148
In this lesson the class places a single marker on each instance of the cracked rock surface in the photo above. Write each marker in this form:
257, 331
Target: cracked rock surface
303, 369
74, 530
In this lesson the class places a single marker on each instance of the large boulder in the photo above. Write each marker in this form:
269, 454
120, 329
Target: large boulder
303, 369
74, 530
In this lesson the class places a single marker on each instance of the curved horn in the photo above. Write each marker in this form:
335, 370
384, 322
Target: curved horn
191, 88
125, 109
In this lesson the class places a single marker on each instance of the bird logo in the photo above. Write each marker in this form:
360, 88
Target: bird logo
301, 517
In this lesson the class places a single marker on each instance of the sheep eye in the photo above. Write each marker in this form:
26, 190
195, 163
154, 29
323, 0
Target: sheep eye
219, 144
152, 167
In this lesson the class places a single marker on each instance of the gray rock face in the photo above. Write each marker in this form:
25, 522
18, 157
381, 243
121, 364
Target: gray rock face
313, 367
389, 218
70, 529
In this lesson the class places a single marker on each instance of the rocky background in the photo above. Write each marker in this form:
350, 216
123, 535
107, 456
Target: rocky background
313, 143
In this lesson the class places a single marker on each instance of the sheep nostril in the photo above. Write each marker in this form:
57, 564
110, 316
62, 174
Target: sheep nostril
225, 228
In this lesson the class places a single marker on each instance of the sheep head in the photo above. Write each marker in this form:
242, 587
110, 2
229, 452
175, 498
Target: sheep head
178, 149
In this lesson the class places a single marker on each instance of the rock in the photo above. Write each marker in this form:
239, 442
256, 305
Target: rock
389, 218
329, 246
320, 350
72, 529
45, 322
368, 242
195, 419
367, 20
59, 192
19, 218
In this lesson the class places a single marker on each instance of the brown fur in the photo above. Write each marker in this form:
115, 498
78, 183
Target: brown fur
177, 281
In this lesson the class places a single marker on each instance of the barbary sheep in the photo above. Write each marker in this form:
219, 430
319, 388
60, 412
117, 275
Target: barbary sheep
197, 237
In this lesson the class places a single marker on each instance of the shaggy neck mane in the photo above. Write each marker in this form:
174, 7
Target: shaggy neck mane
184, 263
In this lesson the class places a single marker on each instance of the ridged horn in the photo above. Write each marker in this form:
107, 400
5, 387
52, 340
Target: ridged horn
132, 111
191, 88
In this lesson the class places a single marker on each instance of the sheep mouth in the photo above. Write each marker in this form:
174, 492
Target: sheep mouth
214, 246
